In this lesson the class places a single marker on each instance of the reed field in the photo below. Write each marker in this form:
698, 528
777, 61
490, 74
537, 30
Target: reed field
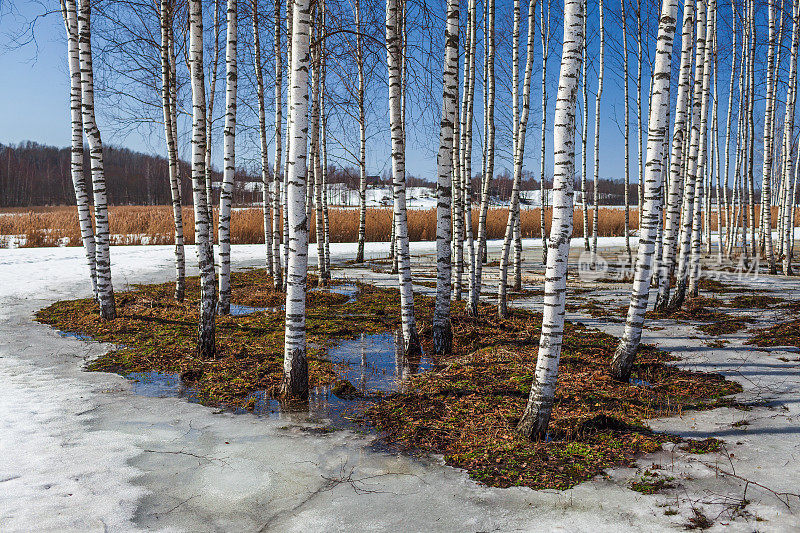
58, 226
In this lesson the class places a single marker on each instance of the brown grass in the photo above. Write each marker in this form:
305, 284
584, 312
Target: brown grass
465, 407
49, 226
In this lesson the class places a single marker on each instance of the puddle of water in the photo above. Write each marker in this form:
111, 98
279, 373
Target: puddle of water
74, 335
160, 385
348, 289
372, 364
640, 383
242, 310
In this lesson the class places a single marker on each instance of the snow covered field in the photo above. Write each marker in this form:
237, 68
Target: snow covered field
80, 452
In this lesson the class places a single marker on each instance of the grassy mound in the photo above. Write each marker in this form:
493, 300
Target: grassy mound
468, 407
783, 334
153, 332
465, 408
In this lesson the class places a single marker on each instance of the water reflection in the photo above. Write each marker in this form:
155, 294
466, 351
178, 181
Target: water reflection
242, 310
161, 385
367, 368
375, 363
74, 335
348, 289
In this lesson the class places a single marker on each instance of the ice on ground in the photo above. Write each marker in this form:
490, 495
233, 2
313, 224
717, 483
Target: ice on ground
80, 452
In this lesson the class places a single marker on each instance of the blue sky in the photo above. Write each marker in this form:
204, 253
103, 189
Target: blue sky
35, 103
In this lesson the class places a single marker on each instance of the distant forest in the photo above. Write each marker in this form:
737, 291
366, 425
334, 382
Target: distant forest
33, 174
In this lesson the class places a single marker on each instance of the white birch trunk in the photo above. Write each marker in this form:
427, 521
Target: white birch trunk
537, 413
324, 156
640, 136
519, 145
626, 97
601, 66
105, 291
442, 330
229, 158
393, 60
167, 84
70, 13
725, 176
466, 135
752, 136
544, 32
788, 136
702, 156
362, 144
289, 30
212, 95
766, 168
316, 159
202, 222
266, 184
488, 172
689, 197
585, 124
658, 127
277, 270
295, 364
457, 201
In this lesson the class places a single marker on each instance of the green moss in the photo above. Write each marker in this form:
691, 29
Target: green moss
709, 445
651, 483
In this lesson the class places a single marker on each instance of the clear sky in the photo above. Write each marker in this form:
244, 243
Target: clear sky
35, 97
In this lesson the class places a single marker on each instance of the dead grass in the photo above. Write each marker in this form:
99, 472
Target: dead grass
465, 407
53, 226
468, 406
783, 334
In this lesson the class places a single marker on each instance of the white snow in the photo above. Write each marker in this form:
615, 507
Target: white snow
80, 452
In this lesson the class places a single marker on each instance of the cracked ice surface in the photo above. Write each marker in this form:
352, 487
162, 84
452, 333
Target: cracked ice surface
80, 452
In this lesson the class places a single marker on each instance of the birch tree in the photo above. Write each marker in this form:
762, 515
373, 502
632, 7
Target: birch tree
229, 158
751, 126
442, 330
544, 32
69, 11
519, 152
362, 137
168, 82
725, 177
536, 416
658, 127
640, 136
289, 39
626, 170
202, 222
277, 270
766, 167
393, 59
466, 135
488, 166
689, 198
295, 364
105, 290
596, 193
212, 96
585, 124
702, 158
316, 161
266, 185
788, 136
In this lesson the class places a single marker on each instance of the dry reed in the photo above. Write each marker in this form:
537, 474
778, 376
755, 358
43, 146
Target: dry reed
53, 226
